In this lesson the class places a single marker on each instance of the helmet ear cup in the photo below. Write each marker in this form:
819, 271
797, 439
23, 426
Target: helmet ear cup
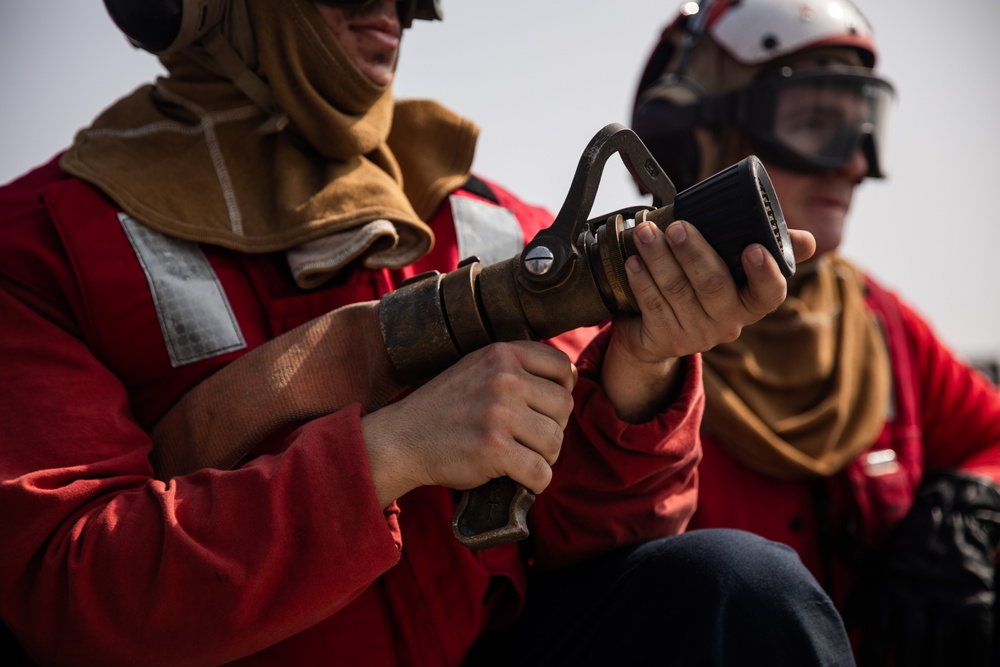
158, 26
664, 121
152, 25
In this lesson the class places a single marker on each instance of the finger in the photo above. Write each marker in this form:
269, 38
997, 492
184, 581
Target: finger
530, 389
545, 410
549, 400
703, 268
523, 446
543, 361
540, 434
509, 440
663, 288
528, 468
766, 287
647, 293
714, 294
541, 409
803, 244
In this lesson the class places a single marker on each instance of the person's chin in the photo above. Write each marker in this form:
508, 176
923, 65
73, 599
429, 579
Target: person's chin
828, 230
378, 71
828, 240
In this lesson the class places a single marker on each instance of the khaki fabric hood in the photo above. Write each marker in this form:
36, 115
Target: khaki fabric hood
195, 158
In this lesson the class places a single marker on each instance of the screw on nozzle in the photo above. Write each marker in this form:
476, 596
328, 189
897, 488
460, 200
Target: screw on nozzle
539, 260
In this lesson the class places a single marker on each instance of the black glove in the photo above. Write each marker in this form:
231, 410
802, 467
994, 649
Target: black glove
931, 602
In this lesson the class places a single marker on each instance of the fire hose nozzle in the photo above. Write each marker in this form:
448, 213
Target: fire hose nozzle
570, 275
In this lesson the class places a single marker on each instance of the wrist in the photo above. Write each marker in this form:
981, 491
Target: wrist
391, 472
640, 389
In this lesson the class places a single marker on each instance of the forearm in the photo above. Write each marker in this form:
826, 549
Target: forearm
632, 482
639, 390
102, 563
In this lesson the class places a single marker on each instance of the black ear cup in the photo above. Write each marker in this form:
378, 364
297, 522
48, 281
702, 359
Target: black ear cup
152, 25
666, 125
675, 150
667, 107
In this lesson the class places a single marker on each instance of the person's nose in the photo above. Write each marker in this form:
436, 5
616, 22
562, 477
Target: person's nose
857, 167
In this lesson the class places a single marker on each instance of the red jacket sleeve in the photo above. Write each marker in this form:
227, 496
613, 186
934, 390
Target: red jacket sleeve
101, 559
960, 408
617, 483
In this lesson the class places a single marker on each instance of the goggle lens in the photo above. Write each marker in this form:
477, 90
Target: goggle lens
818, 120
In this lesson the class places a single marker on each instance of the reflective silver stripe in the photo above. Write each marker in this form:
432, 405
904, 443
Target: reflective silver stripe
194, 313
487, 231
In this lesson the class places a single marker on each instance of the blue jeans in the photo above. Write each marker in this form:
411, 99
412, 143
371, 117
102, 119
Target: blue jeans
707, 597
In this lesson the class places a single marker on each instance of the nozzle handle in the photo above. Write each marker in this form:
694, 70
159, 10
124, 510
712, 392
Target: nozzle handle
492, 514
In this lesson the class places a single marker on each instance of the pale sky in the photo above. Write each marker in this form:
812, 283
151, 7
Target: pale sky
541, 77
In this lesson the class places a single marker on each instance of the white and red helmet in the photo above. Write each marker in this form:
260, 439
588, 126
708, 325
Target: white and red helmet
759, 38
755, 32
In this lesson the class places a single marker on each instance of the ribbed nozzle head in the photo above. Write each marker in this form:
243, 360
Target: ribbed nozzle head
737, 207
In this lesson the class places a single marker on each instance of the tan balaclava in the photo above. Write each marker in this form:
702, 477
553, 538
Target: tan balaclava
801, 393
351, 174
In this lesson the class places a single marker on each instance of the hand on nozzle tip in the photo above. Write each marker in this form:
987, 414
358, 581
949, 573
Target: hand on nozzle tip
803, 244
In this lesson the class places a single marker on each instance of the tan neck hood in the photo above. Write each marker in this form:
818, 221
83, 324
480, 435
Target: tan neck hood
192, 156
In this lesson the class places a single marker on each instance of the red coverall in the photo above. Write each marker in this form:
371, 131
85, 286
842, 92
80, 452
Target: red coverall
945, 415
289, 558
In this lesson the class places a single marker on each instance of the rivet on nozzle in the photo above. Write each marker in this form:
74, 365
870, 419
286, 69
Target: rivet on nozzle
539, 260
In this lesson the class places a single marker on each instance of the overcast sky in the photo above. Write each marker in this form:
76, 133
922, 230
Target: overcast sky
541, 77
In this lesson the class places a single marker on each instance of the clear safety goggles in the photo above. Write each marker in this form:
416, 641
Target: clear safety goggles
815, 119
